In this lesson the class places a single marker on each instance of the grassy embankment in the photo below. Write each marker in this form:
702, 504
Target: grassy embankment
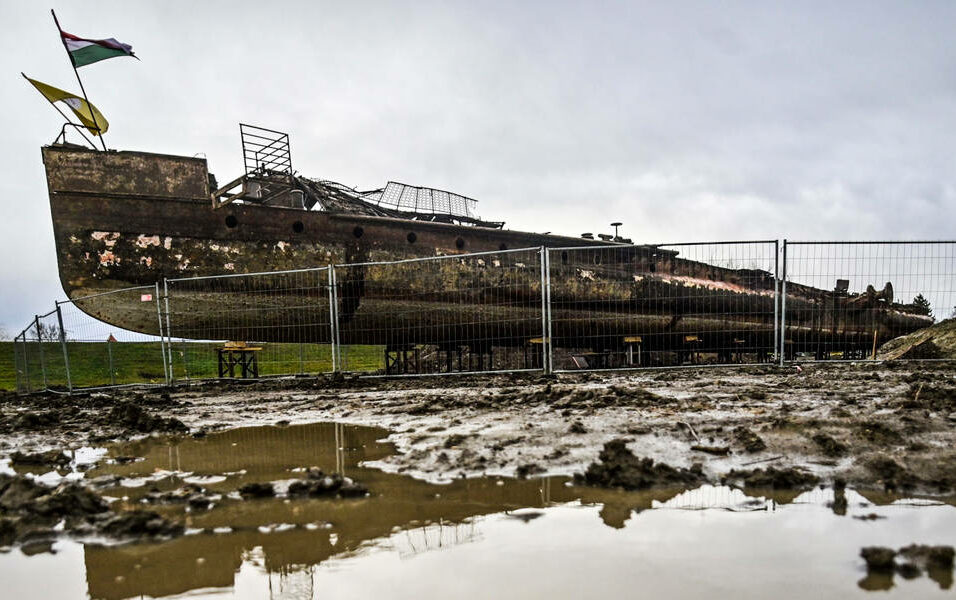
139, 362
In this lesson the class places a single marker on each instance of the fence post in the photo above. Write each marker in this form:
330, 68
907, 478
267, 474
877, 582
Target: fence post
334, 320
109, 354
17, 351
776, 297
547, 273
162, 338
36, 324
26, 361
783, 307
169, 334
545, 311
66, 353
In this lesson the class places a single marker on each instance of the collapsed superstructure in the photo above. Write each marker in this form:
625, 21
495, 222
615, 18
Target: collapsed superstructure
270, 181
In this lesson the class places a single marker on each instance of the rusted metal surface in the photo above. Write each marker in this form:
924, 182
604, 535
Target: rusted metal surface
119, 174
131, 218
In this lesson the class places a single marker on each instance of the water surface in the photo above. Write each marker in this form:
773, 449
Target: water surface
476, 538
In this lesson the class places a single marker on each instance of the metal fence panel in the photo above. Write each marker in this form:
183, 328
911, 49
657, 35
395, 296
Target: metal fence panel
625, 306
563, 309
460, 313
98, 354
279, 323
21, 363
845, 300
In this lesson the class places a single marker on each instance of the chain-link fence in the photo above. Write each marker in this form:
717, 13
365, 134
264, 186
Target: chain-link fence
39, 357
447, 314
250, 325
848, 300
625, 306
76, 346
101, 354
615, 306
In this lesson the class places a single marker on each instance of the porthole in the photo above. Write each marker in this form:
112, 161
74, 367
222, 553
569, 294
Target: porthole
298, 227
358, 232
459, 243
411, 237
231, 221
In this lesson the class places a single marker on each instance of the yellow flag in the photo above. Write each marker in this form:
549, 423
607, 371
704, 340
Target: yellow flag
89, 115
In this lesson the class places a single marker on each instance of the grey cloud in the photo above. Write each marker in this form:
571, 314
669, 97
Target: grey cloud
684, 120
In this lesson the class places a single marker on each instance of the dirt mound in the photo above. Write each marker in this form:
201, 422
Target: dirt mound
891, 473
140, 524
133, 417
939, 397
29, 510
830, 446
749, 440
618, 467
936, 341
318, 485
257, 490
51, 458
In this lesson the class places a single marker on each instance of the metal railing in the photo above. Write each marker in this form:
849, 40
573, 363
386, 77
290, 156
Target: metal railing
446, 314
283, 319
72, 347
532, 309
847, 300
624, 306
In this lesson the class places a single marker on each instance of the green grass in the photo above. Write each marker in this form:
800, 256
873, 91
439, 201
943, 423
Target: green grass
8, 374
141, 362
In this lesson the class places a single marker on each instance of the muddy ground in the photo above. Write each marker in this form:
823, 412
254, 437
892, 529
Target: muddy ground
882, 426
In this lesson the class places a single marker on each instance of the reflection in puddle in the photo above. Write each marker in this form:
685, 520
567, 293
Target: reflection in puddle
470, 538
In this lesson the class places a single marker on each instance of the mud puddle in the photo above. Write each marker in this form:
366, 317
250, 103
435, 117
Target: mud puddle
257, 526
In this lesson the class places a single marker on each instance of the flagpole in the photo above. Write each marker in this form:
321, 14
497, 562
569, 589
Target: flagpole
79, 128
80, 81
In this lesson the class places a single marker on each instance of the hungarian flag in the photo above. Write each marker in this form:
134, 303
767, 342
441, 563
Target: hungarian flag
89, 115
86, 52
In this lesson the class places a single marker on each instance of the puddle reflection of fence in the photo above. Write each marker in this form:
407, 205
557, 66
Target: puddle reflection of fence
294, 583
435, 536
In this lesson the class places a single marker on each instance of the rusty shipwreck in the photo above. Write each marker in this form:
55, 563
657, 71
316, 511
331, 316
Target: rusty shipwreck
133, 218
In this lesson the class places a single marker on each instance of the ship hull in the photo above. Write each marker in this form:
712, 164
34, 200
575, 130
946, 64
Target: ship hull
126, 219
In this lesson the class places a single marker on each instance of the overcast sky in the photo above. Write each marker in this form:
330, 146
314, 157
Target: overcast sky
686, 121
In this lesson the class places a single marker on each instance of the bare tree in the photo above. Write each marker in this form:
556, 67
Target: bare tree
47, 333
